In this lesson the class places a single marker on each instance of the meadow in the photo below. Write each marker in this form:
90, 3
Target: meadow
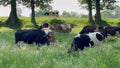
56, 56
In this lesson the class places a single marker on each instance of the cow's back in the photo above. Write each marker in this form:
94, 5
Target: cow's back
30, 36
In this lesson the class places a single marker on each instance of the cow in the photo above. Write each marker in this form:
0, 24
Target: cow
91, 28
66, 28
107, 30
39, 37
49, 32
52, 13
86, 40
45, 27
112, 30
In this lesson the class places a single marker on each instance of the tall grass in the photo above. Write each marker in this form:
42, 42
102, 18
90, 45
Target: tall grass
56, 56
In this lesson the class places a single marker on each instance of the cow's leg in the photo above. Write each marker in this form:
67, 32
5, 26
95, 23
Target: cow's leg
19, 44
99, 47
38, 46
117, 33
48, 42
72, 49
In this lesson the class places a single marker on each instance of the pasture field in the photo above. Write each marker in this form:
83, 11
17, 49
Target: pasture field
56, 56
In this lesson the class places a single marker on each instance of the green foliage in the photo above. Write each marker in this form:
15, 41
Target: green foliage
70, 14
104, 4
40, 13
111, 13
19, 11
56, 21
42, 4
5, 2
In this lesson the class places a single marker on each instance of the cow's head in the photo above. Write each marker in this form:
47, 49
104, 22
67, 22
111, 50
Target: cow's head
67, 27
50, 34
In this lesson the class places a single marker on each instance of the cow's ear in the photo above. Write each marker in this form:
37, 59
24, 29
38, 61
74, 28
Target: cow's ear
104, 34
40, 27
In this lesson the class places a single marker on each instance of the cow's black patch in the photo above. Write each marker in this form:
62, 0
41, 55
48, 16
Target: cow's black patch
30, 36
82, 41
99, 37
92, 43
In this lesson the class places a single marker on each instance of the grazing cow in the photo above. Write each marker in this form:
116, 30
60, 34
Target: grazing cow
91, 28
107, 30
112, 30
85, 40
62, 27
32, 36
48, 31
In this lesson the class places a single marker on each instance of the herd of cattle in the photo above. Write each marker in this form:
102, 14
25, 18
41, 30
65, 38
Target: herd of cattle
90, 35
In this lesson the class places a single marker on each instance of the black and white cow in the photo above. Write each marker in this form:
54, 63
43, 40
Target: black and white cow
85, 40
32, 36
52, 13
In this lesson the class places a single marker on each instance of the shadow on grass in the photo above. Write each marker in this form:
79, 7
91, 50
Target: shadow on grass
102, 23
15, 26
36, 25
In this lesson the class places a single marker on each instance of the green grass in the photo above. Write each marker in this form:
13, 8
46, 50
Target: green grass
56, 56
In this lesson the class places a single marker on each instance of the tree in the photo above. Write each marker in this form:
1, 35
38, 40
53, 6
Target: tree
65, 14
35, 3
39, 13
102, 5
99, 5
98, 14
111, 13
70, 14
13, 18
19, 11
33, 12
42, 10
89, 5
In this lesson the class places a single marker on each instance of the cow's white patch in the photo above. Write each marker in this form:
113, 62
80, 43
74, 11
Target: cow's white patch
63, 26
69, 26
117, 33
94, 38
78, 35
46, 30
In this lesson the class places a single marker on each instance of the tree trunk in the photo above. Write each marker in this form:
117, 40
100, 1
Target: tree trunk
12, 19
98, 15
33, 13
90, 12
